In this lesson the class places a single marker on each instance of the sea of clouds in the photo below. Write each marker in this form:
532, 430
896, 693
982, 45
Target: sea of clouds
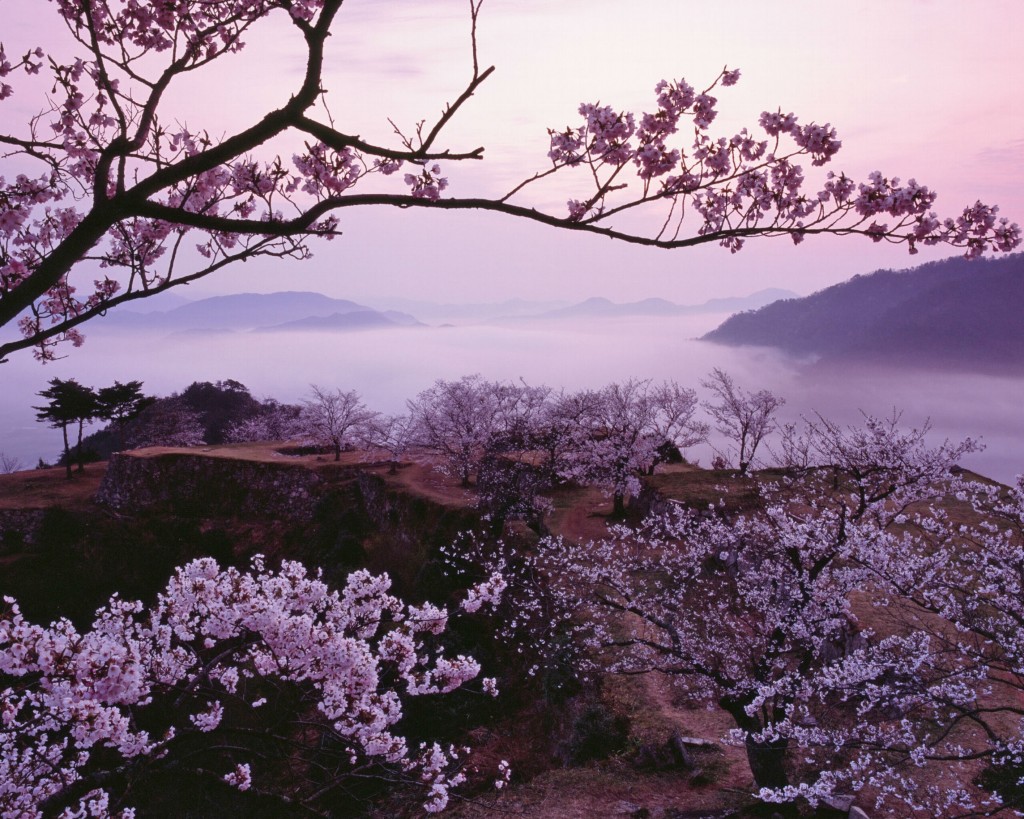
389, 366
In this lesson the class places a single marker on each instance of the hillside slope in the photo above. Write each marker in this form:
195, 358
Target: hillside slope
954, 313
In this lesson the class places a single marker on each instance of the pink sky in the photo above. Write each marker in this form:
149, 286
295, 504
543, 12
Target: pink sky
927, 89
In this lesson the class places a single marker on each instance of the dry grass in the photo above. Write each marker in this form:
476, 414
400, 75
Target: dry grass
43, 488
610, 789
580, 513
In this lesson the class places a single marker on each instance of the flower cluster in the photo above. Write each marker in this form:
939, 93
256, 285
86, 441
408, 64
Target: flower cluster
428, 184
69, 693
324, 172
742, 186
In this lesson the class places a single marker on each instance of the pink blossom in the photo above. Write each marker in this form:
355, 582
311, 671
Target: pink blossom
240, 777
428, 184
778, 123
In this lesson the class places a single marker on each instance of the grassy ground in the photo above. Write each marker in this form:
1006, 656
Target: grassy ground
43, 488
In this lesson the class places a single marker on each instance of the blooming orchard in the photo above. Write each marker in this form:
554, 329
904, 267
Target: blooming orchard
854, 630
104, 185
857, 611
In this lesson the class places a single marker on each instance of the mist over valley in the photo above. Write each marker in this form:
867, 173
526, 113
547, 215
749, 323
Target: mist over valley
279, 344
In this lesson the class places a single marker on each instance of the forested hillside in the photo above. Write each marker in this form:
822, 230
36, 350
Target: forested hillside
955, 313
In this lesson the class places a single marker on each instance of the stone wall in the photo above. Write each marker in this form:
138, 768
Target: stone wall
203, 485
409, 531
19, 528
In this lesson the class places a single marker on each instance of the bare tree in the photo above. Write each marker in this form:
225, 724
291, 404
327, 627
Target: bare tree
9, 464
335, 419
745, 418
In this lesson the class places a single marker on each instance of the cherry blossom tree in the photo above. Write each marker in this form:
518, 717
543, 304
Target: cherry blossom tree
458, 420
625, 429
335, 419
957, 570
106, 194
521, 408
393, 435
753, 612
744, 418
273, 422
560, 431
88, 716
166, 422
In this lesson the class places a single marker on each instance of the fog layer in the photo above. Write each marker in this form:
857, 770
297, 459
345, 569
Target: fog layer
388, 366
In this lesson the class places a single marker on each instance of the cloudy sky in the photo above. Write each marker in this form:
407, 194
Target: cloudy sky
928, 89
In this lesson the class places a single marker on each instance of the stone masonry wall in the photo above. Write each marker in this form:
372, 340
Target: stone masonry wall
19, 528
213, 486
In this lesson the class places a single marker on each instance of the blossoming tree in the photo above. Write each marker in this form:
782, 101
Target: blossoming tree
624, 433
88, 717
104, 191
335, 420
852, 628
460, 420
744, 418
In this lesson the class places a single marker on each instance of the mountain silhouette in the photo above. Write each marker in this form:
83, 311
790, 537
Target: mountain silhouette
954, 313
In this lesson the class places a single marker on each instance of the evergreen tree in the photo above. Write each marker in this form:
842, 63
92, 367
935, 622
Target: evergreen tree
68, 403
119, 404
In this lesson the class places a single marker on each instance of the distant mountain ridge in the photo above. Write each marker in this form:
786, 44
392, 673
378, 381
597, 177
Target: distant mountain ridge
601, 307
953, 313
448, 313
263, 311
307, 311
354, 320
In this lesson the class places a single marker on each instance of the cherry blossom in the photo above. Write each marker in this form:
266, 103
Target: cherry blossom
623, 431
750, 610
216, 636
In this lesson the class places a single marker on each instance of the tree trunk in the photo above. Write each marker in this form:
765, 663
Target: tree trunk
767, 760
337, 451
67, 450
618, 504
78, 447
